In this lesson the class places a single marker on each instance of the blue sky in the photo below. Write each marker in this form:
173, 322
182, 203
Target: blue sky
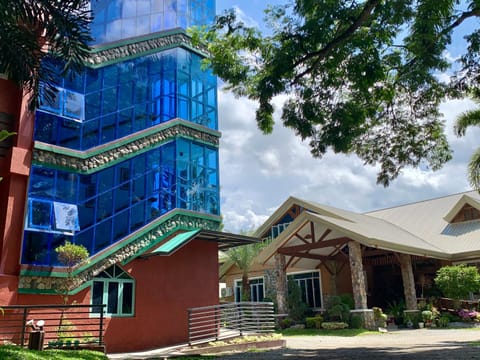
258, 172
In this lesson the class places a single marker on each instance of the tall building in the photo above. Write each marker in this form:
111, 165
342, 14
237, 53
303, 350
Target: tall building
124, 161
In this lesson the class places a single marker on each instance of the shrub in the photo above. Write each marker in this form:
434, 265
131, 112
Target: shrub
356, 321
427, 315
337, 310
458, 281
296, 307
314, 322
334, 325
443, 321
379, 317
286, 323
396, 309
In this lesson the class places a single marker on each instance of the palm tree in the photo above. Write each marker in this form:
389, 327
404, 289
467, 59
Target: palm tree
464, 120
243, 257
40, 37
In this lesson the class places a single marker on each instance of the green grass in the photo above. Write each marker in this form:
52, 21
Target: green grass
12, 352
324, 332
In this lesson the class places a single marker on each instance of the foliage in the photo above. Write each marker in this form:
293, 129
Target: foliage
285, 323
465, 120
458, 281
337, 309
334, 325
427, 315
353, 84
31, 25
12, 352
71, 254
243, 258
295, 305
314, 322
356, 321
396, 309
443, 321
379, 317
468, 315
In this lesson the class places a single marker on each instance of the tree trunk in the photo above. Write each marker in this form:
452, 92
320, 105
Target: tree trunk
358, 278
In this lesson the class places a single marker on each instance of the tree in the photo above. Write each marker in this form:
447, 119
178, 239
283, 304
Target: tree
243, 257
466, 119
70, 255
42, 39
458, 281
361, 75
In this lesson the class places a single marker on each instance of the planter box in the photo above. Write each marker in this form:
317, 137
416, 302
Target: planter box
267, 344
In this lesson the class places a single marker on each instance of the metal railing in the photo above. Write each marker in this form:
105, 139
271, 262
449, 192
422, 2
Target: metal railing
229, 320
65, 325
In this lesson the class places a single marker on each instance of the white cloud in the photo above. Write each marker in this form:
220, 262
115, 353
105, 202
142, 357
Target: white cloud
259, 172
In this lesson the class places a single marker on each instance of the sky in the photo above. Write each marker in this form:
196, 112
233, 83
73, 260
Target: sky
259, 172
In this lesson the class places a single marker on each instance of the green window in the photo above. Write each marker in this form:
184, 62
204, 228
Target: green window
114, 288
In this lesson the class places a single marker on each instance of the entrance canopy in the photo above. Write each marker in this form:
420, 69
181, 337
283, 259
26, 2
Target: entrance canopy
224, 240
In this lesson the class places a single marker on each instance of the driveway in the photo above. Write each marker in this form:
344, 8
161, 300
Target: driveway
432, 344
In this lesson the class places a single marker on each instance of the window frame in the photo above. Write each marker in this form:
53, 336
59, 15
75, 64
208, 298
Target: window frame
239, 281
120, 292
319, 284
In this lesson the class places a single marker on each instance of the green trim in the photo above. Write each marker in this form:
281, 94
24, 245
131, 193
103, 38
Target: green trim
151, 36
124, 141
142, 50
176, 242
127, 241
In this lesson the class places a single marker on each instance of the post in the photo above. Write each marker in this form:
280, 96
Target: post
281, 284
358, 279
24, 321
100, 335
408, 281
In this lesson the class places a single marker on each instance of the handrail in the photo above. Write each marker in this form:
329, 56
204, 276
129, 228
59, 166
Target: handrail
222, 321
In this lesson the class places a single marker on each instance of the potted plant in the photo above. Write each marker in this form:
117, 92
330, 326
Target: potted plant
427, 317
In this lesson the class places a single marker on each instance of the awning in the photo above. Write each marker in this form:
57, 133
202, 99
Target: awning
224, 240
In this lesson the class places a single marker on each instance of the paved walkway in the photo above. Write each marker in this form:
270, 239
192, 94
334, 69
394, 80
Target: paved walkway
422, 344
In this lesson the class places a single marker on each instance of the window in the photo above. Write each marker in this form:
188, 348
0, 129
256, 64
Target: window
52, 216
115, 288
256, 290
309, 284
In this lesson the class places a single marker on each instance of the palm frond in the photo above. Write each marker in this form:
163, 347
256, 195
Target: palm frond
474, 170
466, 119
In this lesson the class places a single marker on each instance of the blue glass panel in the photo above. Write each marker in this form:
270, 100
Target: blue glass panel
120, 225
86, 214
40, 214
104, 205
85, 238
106, 179
67, 184
42, 183
138, 216
35, 248
103, 235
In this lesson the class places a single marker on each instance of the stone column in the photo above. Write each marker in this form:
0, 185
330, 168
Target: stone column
281, 283
408, 281
358, 278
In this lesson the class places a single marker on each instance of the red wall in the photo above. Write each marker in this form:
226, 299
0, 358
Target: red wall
166, 286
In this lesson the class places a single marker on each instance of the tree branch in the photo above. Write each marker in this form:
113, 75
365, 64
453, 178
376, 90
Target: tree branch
322, 53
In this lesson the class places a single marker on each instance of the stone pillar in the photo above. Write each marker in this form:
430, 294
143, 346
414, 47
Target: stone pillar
281, 283
408, 281
358, 278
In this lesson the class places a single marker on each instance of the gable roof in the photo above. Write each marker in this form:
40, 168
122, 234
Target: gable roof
420, 228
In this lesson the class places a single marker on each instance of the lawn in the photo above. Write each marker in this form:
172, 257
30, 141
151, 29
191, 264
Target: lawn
324, 332
12, 352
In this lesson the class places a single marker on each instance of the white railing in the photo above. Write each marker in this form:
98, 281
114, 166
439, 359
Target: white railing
229, 320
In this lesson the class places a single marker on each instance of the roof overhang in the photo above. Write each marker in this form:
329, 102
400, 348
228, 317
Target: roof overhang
224, 240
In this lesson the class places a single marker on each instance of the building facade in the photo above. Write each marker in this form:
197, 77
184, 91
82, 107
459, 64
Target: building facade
124, 161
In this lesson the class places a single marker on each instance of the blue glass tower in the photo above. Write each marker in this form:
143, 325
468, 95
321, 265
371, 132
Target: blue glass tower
126, 154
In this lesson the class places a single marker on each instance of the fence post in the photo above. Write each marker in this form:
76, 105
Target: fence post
240, 317
24, 321
100, 335
189, 314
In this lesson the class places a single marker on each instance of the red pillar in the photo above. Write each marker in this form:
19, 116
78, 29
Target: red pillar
15, 169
